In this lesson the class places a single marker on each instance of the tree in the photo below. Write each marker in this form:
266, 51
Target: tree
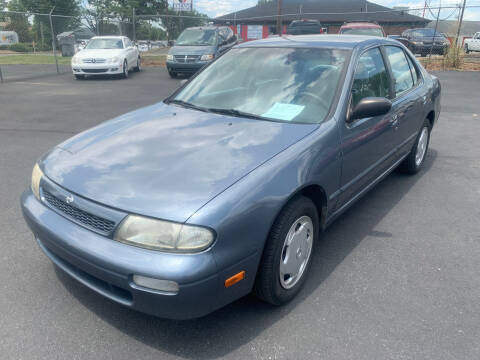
41, 23
18, 22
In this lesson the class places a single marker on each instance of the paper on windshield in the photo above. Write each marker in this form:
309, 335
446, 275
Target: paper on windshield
282, 111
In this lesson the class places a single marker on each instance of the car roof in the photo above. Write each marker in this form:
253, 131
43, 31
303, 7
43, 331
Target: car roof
109, 37
367, 25
319, 41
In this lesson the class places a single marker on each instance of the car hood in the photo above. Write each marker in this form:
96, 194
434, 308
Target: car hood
192, 50
166, 161
98, 53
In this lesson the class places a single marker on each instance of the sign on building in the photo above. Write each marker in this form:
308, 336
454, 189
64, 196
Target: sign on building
182, 5
254, 32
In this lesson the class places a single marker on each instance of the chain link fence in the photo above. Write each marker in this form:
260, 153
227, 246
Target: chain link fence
36, 44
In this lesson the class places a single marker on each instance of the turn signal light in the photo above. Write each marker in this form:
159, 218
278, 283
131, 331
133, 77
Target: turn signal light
235, 279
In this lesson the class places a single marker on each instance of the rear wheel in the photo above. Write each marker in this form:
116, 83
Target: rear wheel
414, 161
287, 253
137, 68
466, 49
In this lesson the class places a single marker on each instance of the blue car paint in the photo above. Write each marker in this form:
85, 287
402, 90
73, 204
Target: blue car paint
240, 204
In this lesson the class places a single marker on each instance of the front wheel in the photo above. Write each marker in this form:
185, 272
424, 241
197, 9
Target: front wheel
125, 70
79, 77
172, 74
286, 256
414, 161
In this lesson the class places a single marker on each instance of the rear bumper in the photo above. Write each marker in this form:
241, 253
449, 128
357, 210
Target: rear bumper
107, 267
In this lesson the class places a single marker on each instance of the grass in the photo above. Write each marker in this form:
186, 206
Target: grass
30, 59
154, 60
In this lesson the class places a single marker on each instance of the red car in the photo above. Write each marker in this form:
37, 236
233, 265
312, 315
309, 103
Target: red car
362, 28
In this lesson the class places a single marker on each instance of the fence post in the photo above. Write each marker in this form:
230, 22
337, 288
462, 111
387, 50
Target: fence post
1, 75
434, 33
53, 40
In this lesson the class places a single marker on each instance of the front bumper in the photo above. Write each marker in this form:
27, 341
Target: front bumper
426, 48
107, 267
97, 69
185, 68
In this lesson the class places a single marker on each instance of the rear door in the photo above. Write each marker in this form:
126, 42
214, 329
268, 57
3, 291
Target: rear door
366, 143
407, 104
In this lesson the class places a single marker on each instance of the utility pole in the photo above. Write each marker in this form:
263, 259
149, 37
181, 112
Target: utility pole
279, 17
53, 40
133, 20
460, 22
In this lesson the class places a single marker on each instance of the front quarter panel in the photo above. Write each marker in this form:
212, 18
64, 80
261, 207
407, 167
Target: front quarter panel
243, 214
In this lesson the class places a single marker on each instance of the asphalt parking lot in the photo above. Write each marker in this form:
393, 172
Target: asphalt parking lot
397, 277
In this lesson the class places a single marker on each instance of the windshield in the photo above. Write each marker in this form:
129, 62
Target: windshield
197, 37
363, 31
105, 44
281, 84
426, 32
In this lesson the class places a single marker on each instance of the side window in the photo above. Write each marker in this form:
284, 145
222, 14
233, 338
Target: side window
413, 69
402, 76
370, 79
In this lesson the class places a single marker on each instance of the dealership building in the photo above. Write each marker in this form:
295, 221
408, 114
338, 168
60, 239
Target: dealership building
259, 21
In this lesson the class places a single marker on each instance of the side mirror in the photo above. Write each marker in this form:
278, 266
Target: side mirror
370, 107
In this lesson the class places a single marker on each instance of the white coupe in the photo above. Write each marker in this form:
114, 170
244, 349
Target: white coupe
106, 55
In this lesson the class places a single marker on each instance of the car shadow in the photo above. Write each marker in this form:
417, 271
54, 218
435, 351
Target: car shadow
225, 330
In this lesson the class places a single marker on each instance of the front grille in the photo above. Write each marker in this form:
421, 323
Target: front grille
94, 61
94, 71
83, 217
186, 58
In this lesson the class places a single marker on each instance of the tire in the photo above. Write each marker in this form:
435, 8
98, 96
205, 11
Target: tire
466, 49
79, 77
125, 70
270, 286
172, 74
137, 68
414, 162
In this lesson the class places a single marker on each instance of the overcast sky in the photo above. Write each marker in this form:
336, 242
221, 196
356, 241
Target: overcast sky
220, 7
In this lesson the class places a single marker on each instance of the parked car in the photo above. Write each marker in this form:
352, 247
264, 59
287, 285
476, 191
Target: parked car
106, 55
426, 41
197, 46
472, 44
143, 46
399, 38
304, 27
362, 28
179, 208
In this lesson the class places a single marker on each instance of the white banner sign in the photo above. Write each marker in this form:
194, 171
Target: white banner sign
182, 5
254, 31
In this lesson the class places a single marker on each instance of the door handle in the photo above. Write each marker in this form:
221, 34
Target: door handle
394, 120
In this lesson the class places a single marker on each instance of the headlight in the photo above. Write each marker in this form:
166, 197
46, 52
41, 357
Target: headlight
417, 42
36, 177
169, 57
114, 60
207, 57
163, 235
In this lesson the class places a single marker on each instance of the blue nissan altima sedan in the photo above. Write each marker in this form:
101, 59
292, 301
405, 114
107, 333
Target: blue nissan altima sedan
181, 207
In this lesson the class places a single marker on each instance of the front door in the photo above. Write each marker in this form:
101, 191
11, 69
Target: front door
366, 143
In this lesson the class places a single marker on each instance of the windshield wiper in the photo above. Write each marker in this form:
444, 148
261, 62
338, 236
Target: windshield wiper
188, 105
237, 113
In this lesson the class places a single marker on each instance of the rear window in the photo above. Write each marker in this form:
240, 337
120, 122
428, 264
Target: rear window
362, 31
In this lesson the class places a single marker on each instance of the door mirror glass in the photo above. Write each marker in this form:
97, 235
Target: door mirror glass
370, 107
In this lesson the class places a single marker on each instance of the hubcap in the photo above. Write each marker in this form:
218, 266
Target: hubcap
296, 252
421, 146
